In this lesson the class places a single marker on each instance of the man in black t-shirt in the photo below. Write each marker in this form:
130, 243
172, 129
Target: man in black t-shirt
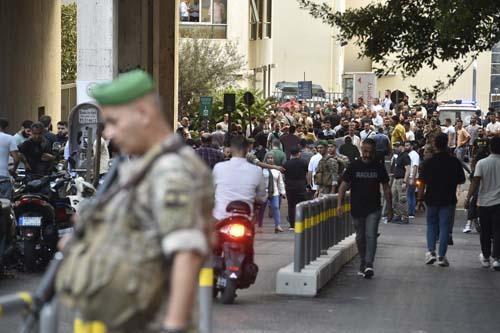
364, 177
401, 173
36, 152
295, 182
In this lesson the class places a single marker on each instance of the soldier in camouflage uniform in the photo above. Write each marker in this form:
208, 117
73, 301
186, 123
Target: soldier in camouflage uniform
175, 197
327, 172
431, 131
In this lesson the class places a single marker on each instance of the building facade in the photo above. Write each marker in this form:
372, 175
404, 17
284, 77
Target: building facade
282, 42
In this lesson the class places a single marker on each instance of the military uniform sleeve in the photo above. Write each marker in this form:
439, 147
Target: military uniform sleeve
183, 201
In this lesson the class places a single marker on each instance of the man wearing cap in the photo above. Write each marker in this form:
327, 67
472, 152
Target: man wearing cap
173, 199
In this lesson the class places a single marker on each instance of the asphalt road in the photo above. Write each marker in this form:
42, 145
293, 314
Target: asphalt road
404, 296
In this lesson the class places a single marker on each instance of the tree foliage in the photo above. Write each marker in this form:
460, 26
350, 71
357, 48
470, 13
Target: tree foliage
205, 67
68, 43
406, 35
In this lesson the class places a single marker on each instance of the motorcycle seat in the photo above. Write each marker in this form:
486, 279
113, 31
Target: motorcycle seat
238, 207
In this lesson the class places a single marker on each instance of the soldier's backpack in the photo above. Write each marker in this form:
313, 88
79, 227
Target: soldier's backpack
115, 272
324, 174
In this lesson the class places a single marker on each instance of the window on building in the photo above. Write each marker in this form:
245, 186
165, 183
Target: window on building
260, 19
203, 18
267, 22
495, 75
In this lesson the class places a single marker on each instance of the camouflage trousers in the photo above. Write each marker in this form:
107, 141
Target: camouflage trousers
324, 190
399, 200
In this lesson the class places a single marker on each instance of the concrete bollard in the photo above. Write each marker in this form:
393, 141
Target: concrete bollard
206, 285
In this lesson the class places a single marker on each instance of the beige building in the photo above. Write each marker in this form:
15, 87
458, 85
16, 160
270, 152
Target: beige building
282, 42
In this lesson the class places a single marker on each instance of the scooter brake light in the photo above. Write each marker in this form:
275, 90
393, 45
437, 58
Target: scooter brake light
235, 230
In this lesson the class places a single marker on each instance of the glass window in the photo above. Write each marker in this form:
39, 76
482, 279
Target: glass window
206, 18
268, 18
495, 58
495, 83
495, 69
260, 6
496, 48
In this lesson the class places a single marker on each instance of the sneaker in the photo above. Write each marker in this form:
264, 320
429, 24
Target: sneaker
278, 229
384, 220
443, 262
485, 262
361, 271
430, 258
411, 217
468, 228
291, 229
259, 230
496, 265
368, 274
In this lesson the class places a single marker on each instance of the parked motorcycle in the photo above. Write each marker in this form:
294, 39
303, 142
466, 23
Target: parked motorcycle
7, 235
233, 255
41, 214
80, 193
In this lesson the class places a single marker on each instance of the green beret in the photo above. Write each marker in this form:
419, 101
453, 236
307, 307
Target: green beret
331, 142
321, 143
125, 88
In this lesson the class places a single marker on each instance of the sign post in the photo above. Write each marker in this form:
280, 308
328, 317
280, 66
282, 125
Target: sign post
229, 108
205, 110
249, 100
305, 90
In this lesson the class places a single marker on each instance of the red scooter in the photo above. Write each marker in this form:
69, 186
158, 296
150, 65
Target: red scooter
233, 255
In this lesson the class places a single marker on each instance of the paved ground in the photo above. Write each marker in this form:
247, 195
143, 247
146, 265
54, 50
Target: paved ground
404, 296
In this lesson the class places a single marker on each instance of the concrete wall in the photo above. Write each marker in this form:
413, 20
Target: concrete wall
461, 90
30, 60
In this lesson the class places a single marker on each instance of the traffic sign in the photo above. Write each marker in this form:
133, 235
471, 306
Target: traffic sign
305, 89
206, 106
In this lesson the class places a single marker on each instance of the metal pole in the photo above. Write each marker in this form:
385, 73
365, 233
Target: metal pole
206, 281
298, 261
474, 79
49, 317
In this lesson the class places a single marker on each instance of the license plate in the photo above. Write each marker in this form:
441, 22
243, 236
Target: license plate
67, 231
29, 221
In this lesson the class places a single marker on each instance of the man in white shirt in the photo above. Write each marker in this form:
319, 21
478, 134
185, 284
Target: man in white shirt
410, 136
415, 163
367, 132
8, 148
487, 179
225, 123
386, 103
452, 135
313, 165
352, 134
237, 179
376, 107
493, 127
377, 120
184, 11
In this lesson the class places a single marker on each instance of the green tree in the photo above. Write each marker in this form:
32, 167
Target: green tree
406, 35
206, 66
68, 43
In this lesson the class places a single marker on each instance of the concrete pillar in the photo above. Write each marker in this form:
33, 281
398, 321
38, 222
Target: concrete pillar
165, 55
97, 40
30, 60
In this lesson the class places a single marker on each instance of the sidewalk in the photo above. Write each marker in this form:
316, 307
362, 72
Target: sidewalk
404, 296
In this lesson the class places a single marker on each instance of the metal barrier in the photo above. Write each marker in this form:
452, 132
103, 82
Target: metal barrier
49, 314
318, 227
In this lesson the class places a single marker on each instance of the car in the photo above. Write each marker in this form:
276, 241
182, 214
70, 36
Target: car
457, 109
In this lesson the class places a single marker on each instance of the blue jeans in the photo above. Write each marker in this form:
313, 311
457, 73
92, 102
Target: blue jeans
5, 188
412, 200
439, 220
274, 204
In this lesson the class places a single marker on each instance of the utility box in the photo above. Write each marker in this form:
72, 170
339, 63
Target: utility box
362, 84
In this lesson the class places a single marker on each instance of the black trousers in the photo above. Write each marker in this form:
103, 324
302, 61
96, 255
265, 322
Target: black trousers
294, 196
490, 228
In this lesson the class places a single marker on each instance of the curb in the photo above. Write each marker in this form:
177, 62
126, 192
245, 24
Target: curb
318, 273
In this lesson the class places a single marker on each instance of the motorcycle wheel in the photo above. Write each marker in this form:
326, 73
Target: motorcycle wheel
228, 295
29, 256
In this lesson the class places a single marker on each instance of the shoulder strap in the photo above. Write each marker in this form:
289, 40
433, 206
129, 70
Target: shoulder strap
139, 176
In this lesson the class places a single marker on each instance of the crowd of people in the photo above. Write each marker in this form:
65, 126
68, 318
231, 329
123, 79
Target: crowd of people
314, 146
